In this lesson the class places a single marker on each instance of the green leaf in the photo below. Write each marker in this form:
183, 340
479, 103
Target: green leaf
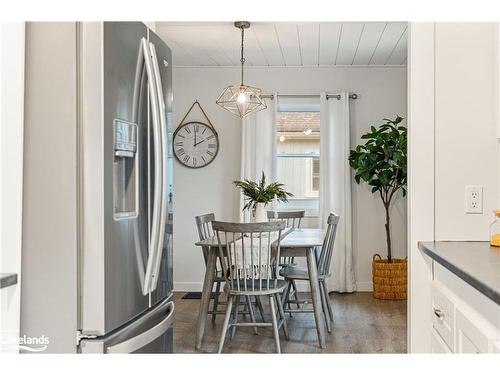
260, 193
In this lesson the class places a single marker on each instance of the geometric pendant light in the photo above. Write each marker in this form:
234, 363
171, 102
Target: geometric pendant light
241, 99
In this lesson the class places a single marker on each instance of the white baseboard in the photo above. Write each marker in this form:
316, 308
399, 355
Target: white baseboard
302, 286
365, 286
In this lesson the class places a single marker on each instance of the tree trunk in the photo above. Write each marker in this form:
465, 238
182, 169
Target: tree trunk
388, 233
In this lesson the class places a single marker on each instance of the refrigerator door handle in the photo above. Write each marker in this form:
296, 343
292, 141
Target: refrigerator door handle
158, 169
164, 193
135, 343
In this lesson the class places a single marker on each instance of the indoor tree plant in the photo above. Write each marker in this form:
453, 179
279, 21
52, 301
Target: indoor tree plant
382, 163
258, 195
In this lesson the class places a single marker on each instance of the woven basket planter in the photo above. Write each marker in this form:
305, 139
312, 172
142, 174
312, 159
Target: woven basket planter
389, 279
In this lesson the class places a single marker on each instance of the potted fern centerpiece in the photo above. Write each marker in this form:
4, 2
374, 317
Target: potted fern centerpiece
258, 195
381, 163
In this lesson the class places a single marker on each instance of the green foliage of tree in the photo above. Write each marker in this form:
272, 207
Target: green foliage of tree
382, 163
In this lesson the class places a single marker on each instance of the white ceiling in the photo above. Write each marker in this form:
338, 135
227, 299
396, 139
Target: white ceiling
287, 44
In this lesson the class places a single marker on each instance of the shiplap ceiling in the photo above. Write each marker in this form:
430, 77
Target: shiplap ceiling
287, 44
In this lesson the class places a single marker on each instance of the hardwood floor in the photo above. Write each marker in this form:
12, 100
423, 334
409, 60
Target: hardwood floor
362, 325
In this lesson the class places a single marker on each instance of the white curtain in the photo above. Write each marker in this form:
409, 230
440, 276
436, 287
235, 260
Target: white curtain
258, 148
335, 187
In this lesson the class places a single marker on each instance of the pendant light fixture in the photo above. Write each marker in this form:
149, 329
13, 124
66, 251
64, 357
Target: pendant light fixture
241, 99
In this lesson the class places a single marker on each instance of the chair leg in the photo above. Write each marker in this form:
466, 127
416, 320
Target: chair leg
324, 302
328, 304
245, 309
226, 322
258, 302
295, 295
235, 316
216, 300
282, 315
295, 290
252, 316
275, 325
286, 296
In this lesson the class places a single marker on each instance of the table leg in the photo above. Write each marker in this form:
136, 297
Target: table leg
316, 296
205, 296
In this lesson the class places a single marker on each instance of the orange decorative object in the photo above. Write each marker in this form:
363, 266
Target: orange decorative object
495, 230
495, 239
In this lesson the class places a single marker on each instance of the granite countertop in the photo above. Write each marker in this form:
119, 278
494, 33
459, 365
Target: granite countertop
7, 279
477, 263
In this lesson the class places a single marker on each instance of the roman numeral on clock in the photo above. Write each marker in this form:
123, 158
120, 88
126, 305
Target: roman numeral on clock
210, 153
179, 143
181, 152
212, 136
186, 158
211, 145
188, 130
196, 128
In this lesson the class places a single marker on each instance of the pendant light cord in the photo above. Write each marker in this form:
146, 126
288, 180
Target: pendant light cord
242, 60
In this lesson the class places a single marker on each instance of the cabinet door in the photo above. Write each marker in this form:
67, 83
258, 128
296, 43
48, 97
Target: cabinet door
495, 347
469, 338
443, 314
438, 346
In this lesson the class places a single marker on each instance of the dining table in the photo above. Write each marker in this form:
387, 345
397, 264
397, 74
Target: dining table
295, 242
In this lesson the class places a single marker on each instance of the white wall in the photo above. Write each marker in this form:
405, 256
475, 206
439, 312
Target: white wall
466, 128
382, 93
11, 166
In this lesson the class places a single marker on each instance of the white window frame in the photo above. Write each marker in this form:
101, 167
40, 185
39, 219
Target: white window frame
313, 175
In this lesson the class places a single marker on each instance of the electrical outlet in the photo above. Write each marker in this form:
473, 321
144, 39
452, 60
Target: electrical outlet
473, 199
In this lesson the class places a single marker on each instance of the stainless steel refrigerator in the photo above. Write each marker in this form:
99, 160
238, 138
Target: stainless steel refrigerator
98, 199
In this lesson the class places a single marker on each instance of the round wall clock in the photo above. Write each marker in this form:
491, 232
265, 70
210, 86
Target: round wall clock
196, 144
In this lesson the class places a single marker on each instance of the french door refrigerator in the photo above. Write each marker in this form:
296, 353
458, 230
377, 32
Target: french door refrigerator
98, 215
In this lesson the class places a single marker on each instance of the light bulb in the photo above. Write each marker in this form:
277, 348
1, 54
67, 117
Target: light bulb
242, 98
307, 131
282, 138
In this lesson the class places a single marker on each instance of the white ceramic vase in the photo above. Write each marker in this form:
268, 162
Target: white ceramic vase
260, 214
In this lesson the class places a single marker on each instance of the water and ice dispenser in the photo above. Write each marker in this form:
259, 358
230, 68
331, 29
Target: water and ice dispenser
125, 170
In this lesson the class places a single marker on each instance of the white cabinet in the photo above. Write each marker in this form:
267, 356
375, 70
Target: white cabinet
495, 348
443, 316
438, 346
9, 318
463, 320
469, 338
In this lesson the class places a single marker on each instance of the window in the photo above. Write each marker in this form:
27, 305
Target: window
298, 137
315, 174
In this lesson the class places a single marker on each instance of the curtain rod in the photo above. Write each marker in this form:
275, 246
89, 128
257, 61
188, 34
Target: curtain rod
328, 96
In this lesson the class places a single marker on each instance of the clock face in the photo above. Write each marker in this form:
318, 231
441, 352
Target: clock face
195, 144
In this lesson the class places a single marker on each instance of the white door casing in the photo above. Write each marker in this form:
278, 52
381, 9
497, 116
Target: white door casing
11, 175
420, 180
